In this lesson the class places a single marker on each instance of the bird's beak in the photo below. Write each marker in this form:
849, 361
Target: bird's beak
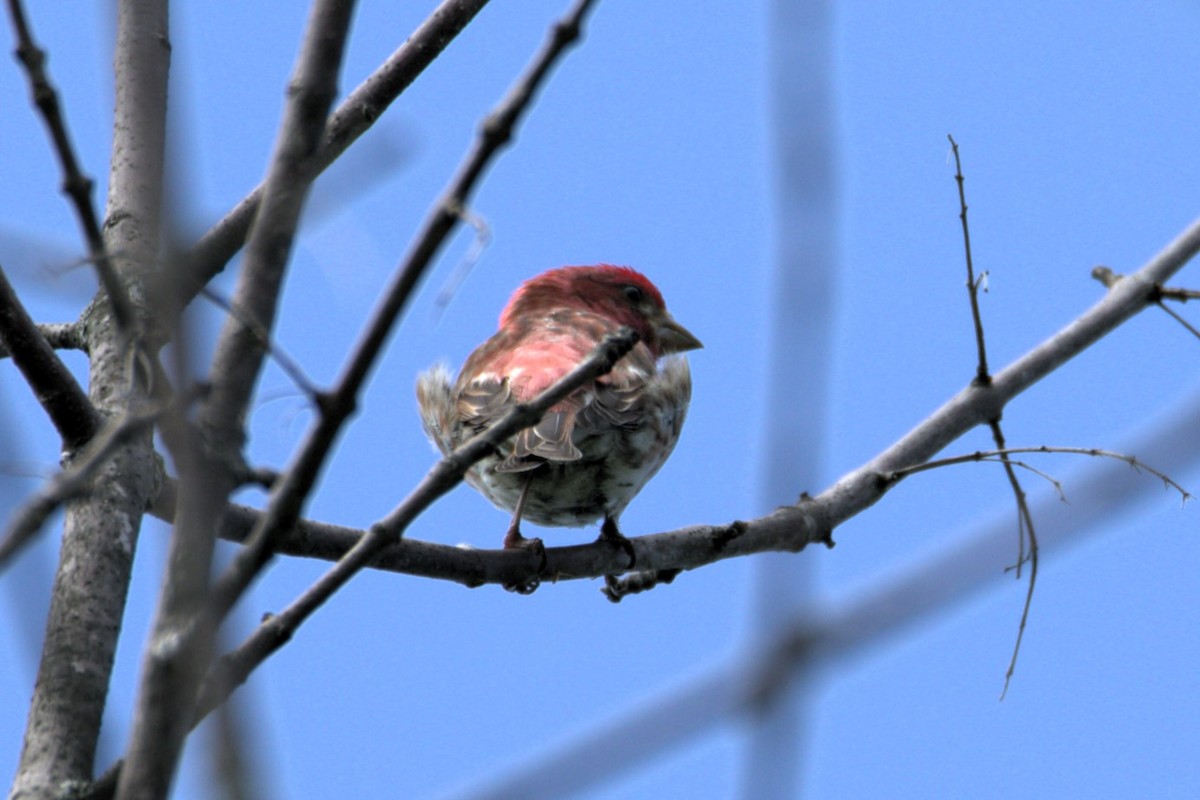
673, 337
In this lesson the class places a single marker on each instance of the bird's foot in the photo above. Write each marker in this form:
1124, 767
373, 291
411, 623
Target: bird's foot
610, 534
513, 540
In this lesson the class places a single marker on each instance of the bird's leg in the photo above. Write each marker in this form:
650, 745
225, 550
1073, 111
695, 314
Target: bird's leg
611, 534
513, 540
512, 537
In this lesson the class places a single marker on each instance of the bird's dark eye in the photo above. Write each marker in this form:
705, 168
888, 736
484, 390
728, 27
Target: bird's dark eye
633, 294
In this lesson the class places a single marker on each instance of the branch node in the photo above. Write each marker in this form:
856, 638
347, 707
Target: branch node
722, 536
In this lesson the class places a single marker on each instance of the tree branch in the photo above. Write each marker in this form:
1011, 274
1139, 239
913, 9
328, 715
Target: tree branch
173, 662
233, 669
298, 480
52, 383
357, 113
981, 374
71, 482
668, 716
76, 185
59, 335
789, 528
101, 526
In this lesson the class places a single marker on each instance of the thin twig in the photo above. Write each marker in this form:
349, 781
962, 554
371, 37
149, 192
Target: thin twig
995, 455
289, 365
1033, 573
1182, 295
1025, 525
981, 375
1190, 328
1025, 517
76, 185
357, 113
1026, 532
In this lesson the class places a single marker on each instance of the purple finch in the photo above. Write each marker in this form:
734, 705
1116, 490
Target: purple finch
593, 452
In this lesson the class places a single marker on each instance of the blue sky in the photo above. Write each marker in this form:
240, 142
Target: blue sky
652, 147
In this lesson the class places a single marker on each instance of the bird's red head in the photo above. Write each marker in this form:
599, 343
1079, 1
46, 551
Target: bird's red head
621, 294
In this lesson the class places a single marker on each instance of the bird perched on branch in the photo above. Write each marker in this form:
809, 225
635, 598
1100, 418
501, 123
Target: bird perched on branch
594, 451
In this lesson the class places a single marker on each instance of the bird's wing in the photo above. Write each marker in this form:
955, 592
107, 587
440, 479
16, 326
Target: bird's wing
516, 367
618, 396
487, 398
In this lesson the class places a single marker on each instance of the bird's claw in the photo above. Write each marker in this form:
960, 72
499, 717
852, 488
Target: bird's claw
513, 540
523, 587
610, 534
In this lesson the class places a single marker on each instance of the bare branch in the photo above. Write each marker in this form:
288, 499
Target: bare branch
59, 335
1026, 532
233, 669
101, 527
1182, 295
667, 716
173, 661
1109, 278
1025, 526
972, 285
787, 529
27, 520
300, 477
76, 185
1025, 518
997, 455
52, 383
350, 120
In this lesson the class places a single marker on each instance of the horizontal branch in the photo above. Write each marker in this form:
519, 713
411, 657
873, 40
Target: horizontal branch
360, 551
447, 473
788, 529
661, 718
